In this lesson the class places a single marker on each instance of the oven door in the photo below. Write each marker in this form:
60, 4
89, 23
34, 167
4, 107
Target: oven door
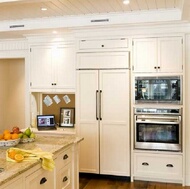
158, 132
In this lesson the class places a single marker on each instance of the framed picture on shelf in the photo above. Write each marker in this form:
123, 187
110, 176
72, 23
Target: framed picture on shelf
67, 117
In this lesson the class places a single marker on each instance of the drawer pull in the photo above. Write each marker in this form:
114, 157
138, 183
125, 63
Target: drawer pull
145, 163
65, 179
169, 165
65, 157
43, 180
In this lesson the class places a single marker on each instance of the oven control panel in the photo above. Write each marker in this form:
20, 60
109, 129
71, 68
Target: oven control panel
176, 111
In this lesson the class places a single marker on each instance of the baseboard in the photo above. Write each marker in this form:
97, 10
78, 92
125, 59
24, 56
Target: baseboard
99, 176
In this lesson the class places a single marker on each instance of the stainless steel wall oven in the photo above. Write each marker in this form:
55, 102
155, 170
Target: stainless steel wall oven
158, 129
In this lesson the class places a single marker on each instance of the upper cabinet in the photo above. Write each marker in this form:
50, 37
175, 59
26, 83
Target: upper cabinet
52, 68
159, 55
95, 45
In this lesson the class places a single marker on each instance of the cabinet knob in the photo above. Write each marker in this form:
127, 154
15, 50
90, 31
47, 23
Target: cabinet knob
65, 157
102, 45
145, 164
169, 165
155, 67
43, 180
65, 179
158, 67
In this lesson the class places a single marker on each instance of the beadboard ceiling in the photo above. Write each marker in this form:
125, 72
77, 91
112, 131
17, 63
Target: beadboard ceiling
15, 11
19, 9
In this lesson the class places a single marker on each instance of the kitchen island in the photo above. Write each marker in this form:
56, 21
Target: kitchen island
29, 174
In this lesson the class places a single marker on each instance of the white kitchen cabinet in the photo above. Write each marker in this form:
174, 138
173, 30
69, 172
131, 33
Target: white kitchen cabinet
64, 174
16, 183
52, 68
64, 178
40, 179
103, 121
158, 166
103, 60
91, 45
158, 55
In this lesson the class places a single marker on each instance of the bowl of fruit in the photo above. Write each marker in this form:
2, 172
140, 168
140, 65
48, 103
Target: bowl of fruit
9, 138
27, 136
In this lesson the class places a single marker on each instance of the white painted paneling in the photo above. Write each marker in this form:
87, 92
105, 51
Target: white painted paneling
32, 8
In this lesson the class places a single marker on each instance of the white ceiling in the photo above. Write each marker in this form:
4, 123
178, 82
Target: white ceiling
14, 10
32, 8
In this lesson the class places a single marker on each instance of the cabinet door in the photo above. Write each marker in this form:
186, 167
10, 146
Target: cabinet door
114, 126
145, 55
64, 72
40, 179
170, 54
41, 67
103, 60
87, 84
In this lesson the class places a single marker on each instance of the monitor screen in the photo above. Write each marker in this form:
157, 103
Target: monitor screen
45, 120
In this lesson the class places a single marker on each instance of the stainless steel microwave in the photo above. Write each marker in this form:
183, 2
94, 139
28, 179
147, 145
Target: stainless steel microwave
160, 89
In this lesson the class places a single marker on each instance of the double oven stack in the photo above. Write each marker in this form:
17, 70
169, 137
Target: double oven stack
158, 115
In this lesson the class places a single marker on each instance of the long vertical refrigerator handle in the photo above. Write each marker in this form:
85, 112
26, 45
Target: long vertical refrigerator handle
97, 105
100, 108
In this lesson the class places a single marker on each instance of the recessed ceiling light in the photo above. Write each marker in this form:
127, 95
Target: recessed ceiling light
126, 2
43, 9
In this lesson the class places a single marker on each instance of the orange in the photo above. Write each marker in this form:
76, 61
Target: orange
7, 136
19, 157
12, 154
6, 131
14, 136
1, 136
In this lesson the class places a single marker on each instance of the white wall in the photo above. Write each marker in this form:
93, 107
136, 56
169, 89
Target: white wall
187, 108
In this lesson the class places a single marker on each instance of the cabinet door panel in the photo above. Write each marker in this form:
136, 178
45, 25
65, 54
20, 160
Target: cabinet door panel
103, 60
64, 75
145, 55
41, 67
114, 126
170, 54
86, 120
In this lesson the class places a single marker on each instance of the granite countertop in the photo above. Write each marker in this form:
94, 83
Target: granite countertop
53, 144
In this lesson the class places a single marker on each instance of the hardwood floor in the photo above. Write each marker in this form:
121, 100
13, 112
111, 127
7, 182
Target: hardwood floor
99, 182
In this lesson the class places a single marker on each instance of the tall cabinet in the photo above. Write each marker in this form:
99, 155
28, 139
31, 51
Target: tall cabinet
103, 112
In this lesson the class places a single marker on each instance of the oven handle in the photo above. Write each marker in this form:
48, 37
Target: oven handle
159, 121
159, 117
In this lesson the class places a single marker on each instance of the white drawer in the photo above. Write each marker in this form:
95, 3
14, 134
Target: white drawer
100, 44
64, 158
158, 166
64, 180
